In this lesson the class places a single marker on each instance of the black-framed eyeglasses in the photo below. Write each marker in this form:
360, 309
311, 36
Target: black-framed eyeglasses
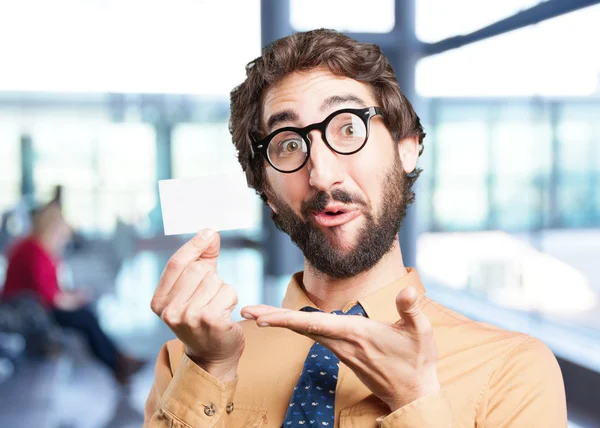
344, 131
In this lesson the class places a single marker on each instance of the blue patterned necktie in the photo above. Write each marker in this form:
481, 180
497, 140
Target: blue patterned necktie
313, 399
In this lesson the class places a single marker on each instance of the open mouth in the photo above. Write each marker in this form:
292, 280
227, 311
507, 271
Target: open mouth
335, 217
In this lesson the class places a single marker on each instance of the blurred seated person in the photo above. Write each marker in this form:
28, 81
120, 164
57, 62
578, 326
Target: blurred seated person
33, 270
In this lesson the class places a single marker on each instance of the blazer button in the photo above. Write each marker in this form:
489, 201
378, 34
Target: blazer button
229, 408
210, 410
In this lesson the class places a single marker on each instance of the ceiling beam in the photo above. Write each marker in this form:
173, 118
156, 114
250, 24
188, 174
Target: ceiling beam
545, 10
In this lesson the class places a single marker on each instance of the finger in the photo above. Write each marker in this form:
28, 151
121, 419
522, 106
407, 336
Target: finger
254, 311
187, 311
204, 246
196, 275
316, 325
409, 309
225, 300
178, 302
216, 313
206, 291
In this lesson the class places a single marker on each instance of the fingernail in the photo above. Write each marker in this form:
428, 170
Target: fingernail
263, 324
207, 233
249, 316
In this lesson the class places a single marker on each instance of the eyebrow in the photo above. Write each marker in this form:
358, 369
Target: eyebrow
292, 115
341, 99
282, 116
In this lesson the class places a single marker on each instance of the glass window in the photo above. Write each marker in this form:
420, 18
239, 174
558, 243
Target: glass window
460, 204
522, 149
576, 146
126, 159
355, 16
578, 166
462, 150
108, 171
10, 171
493, 160
575, 201
579, 137
203, 149
522, 157
461, 146
518, 204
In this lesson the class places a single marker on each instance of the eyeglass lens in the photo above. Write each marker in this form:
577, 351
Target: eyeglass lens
345, 133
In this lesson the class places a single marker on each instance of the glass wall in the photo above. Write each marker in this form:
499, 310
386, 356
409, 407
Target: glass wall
508, 201
10, 173
508, 204
203, 149
578, 153
108, 171
511, 165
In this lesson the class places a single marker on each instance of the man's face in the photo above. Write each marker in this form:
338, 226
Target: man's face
344, 212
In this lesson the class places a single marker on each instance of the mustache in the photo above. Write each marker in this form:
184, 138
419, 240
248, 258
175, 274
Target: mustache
321, 199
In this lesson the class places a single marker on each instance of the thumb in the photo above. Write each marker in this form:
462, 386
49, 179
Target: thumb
407, 303
211, 253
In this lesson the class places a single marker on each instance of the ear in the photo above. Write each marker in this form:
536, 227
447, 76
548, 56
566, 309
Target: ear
408, 149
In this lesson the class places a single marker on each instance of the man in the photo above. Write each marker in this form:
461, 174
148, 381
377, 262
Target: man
330, 143
33, 271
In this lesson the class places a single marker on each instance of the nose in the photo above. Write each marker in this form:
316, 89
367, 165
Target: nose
325, 170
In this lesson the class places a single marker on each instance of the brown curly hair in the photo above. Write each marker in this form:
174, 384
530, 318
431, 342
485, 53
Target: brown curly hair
305, 51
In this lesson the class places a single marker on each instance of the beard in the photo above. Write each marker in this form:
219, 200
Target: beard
374, 239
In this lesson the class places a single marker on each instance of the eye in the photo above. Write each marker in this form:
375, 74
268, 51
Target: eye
347, 130
289, 146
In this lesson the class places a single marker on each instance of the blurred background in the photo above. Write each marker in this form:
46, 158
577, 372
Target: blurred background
107, 97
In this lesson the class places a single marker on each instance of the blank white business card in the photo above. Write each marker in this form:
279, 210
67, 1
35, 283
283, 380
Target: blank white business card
219, 202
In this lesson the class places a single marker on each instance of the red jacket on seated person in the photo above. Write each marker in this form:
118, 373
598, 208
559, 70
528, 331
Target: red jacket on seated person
32, 269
